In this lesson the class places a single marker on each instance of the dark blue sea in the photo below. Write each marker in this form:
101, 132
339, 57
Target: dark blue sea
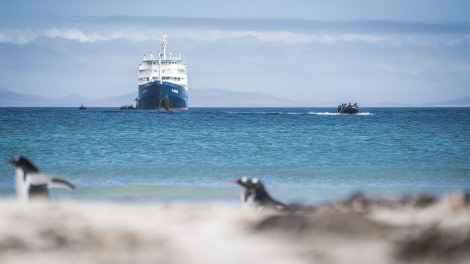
303, 155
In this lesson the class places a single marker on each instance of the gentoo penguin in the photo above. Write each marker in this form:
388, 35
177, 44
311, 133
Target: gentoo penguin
263, 199
31, 183
248, 194
254, 194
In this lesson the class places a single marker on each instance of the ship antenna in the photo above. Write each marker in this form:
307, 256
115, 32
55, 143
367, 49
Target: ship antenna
164, 46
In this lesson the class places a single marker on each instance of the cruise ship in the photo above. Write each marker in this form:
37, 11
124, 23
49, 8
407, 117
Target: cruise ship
162, 83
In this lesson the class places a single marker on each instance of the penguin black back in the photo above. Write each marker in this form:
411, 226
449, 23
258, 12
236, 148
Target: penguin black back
24, 163
263, 198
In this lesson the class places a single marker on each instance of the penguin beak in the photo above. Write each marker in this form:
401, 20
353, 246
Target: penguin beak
241, 182
236, 181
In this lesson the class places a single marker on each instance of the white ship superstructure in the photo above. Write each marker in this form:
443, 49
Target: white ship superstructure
164, 67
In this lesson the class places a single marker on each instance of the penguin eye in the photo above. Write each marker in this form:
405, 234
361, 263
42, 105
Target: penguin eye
244, 179
254, 180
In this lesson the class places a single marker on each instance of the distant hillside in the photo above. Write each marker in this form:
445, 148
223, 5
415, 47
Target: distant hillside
197, 98
461, 102
226, 98
13, 99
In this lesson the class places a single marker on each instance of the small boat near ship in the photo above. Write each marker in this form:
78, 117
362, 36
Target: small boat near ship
162, 82
127, 107
131, 106
348, 108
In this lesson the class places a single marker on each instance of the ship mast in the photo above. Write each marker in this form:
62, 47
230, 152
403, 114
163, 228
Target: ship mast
160, 58
164, 46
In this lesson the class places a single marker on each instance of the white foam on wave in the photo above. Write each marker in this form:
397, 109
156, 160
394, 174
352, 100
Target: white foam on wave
323, 113
296, 113
339, 114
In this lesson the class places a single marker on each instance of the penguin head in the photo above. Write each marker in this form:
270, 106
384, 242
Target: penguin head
23, 163
244, 182
257, 184
248, 194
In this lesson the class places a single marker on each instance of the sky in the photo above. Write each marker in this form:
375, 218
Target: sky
317, 52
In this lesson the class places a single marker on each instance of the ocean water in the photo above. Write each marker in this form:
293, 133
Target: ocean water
303, 155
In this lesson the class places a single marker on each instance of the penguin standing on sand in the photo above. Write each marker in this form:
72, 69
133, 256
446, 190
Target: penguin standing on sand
256, 195
31, 183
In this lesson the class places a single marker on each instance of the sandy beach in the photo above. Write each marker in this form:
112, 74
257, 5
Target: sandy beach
358, 230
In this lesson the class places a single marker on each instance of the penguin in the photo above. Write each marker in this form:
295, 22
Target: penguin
263, 199
31, 183
248, 194
255, 195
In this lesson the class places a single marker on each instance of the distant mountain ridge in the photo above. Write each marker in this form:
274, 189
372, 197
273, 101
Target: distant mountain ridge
464, 101
12, 99
225, 98
197, 98
212, 97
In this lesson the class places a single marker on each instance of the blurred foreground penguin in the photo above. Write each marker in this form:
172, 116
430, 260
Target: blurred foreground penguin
248, 194
31, 183
255, 194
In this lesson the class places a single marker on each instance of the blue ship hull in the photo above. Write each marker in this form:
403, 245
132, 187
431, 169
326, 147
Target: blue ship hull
162, 96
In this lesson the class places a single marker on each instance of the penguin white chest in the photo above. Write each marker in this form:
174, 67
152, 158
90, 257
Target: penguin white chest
247, 197
22, 185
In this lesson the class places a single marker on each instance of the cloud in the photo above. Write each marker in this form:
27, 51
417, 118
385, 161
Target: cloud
73, 34
22, 37
288, 37
291, 31
19, 37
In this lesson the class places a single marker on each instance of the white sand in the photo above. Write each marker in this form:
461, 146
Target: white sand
77, 232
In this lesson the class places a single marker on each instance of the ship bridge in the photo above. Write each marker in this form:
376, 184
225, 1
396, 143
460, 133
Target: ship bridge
163, 68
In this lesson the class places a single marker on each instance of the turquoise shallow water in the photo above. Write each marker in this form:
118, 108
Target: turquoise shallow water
306, 155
